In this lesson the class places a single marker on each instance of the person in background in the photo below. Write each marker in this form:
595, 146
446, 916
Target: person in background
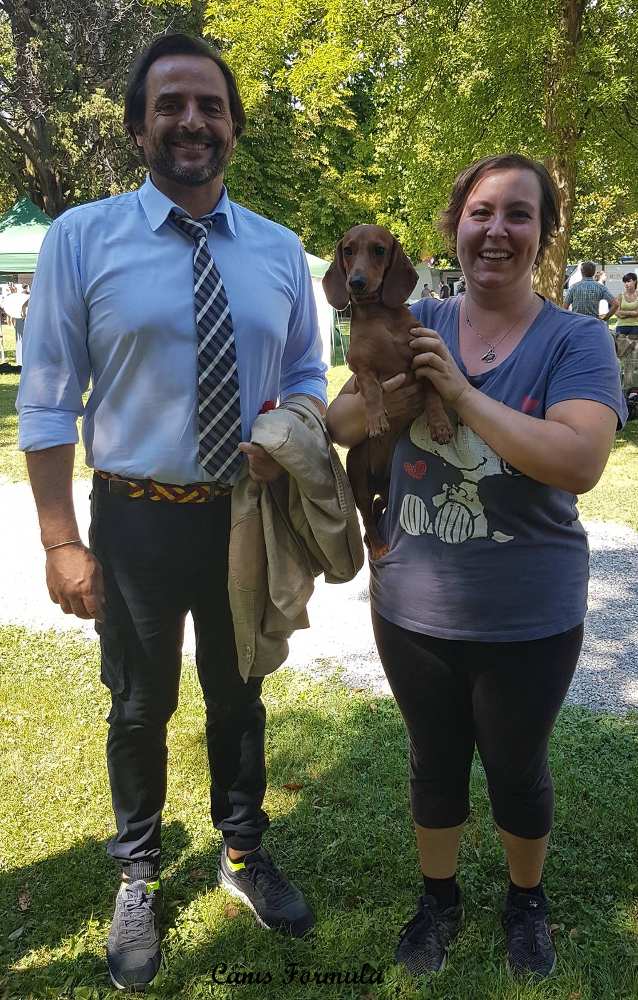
627, 330
160, 299
444, 290
19, 326
426, 292
585, 296
478, 605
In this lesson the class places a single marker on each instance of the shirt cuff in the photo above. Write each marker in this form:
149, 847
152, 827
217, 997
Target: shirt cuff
315, 387
41, 428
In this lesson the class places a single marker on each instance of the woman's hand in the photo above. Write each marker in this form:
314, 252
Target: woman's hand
433, 361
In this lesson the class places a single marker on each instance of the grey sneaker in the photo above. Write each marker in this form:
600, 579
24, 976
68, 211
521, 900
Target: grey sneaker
424, 940
276, 902
530, 949
133, 949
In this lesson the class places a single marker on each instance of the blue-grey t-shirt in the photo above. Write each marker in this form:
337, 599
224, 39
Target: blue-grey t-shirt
476, 549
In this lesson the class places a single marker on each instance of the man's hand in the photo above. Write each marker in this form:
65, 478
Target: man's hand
261, 466
75, 582
400, 400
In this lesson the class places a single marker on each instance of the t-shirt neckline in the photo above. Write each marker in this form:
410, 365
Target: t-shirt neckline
479, 379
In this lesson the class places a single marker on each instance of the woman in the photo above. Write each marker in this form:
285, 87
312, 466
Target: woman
627, 329
478, 606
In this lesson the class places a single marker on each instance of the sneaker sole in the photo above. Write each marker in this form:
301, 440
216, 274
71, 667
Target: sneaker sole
136, 988
231, 888
518, 975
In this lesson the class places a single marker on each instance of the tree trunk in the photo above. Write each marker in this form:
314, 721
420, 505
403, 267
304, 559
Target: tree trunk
562, 101
550, 277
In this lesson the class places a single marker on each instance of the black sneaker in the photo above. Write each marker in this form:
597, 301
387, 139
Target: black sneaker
530, 949
133, 948
256, 880
424, 940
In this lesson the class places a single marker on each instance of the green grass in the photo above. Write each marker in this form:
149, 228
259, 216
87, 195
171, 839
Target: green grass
345, 835
615, 498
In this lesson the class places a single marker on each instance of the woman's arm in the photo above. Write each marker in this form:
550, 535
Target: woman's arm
568, 449
346, 418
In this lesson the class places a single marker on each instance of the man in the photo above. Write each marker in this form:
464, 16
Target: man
189, 314
585, 296
426, 292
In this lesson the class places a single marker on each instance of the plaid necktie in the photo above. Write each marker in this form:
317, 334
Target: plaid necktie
218, 380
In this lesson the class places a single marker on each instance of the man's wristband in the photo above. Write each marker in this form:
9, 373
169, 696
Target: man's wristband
58, 545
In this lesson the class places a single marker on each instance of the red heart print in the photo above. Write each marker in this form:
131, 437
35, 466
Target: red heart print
416, 471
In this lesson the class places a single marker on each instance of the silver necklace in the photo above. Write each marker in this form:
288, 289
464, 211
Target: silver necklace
490, 354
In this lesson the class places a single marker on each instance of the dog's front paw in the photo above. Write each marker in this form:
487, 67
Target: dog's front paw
378, 425
441, 430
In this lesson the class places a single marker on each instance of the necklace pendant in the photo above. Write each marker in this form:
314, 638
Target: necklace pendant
489, 356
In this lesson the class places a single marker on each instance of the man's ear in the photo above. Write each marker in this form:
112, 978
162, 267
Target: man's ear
139, 136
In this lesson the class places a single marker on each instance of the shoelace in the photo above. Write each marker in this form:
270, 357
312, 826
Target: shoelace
263, 872
137, 914
423, 916
525, 927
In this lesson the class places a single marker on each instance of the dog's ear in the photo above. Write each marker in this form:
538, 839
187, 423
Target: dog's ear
334, 281
400, 278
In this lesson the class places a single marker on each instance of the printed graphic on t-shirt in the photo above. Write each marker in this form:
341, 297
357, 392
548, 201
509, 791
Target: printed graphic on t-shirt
455, 514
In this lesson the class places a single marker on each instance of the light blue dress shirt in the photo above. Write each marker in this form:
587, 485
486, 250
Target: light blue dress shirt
112, 304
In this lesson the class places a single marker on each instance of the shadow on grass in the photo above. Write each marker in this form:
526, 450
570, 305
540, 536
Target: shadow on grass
346, 839
69, 893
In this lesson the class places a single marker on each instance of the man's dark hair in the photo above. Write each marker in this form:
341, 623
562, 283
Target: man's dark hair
588, 269
175, 44
469, 178
630, 276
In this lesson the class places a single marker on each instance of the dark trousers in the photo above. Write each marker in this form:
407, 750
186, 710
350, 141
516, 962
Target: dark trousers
500, 697
160, 561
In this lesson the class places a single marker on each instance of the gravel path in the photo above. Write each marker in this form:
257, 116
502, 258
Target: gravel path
607, 675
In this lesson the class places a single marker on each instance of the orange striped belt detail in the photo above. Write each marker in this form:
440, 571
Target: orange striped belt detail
150, 489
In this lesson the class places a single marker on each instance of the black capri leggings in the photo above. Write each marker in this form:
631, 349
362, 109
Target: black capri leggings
502, 697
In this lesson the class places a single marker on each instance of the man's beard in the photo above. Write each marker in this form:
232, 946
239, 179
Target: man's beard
162, 161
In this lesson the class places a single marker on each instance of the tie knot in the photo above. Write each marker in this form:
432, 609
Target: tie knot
195, 228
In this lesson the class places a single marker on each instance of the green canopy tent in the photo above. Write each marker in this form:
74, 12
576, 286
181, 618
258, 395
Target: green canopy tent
22, 230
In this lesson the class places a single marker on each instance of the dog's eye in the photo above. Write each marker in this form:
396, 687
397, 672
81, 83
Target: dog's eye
347, 251
379, 251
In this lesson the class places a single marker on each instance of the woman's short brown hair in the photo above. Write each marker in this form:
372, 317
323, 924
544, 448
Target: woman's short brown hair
469, 178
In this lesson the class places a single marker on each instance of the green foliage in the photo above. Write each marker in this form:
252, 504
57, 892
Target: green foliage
605, 217
63, 68
443, 85
357, 111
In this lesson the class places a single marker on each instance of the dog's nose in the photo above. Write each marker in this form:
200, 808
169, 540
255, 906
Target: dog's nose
357, 283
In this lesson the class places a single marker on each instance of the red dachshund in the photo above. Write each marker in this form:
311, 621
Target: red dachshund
371, 271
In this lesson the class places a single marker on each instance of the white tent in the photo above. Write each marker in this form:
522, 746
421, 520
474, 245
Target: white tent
318, 267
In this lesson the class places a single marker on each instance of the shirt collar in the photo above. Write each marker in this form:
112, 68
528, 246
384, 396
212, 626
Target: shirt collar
157, 206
